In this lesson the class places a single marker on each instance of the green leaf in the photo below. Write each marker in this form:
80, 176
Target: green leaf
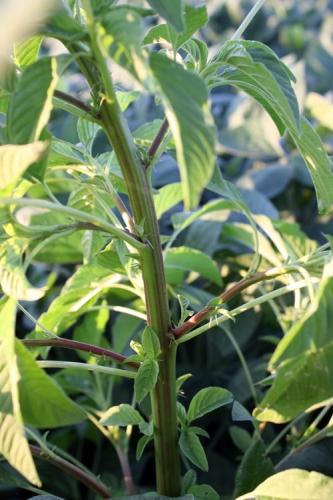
185, 100
203, 492
318, 163
192, 448
121, 415
91, 331
87, 132
121, 32
172, 12
13, 444
65, 28
25, 53
300, 382
14, 160
43, 402
30, 105
109, 258
241, 438
189, 480
260, 73
147, 428
184, 312
8, 476
197, 54
167, 198
142, 443
254, 468
198, 430
125, 98
195, 18
151, 343
145, 379
293, 484
207, 400
239, 413
181, 259
12, 278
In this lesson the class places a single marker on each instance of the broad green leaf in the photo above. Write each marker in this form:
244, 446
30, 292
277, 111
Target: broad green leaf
195, 18
125, 98
167, 198
80, 292
43, 402
15, 159
91, 331
293, 484
203, 492
192, 448
185, 100
30, 105
145, 134
12, 278
207, 400
145, 379
239, 413
318, 163
241, 438
147, 428
150, 343
299, 383
172, 12
64, 28
253, 469
13, 444
37, 170
121, 33
25, 53
182, 259
259, 72
109, 258
189, 480
142, 443
121, 415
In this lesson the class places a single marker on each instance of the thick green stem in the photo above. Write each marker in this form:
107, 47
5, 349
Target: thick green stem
158, 316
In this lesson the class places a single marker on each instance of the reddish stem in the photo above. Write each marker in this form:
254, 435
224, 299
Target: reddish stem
158, 138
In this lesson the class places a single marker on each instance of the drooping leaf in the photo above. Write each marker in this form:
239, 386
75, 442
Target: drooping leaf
182, 259
43, 402
15, 159
192, 448
146, 379
293, 484
64, 28
207, 400
253, 469
121, 33
185, 100
172, 12
151, 343
195, 18
13, 444
121, 415
258, 71
30, 105
318, 163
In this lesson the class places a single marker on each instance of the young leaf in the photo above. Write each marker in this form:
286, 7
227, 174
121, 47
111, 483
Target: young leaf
195, 18
254, 468
30, 105
170, 11
147, 428
142, 443
151, 343
189, 480
43, 402
25, 53
207, 400
87, 132
293, 484
203, 492
181, 414
192, 448
146, 379
13, 444
91, 331
121, 415
137, 348
185, 101
184, 312
14, 160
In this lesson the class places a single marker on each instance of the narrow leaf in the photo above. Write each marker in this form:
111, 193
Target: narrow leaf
192, 448
29, 107
142, 443
151, 343
207, 400
146, 379
13, 444
185, 100
121, 415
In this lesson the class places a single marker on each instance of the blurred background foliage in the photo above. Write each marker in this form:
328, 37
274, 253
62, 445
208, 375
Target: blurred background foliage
274, 182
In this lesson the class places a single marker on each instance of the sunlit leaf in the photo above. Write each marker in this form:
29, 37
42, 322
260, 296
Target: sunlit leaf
121, 415
170, 11
207, 400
